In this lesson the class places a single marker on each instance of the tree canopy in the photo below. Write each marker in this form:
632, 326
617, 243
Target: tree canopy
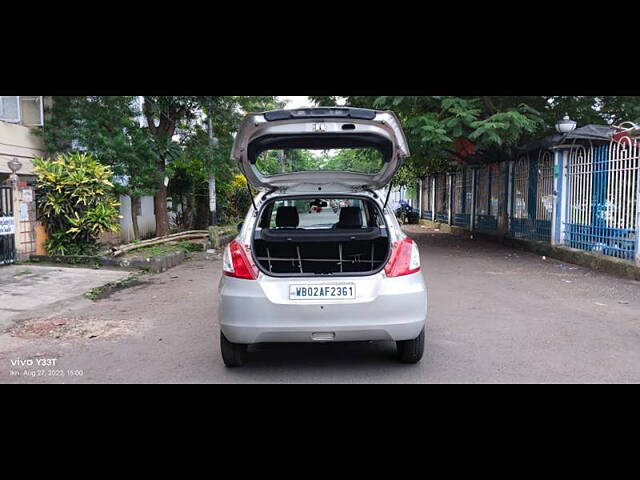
161, 138
164, 138
440, 129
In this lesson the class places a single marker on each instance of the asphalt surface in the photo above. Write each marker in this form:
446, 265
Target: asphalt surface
496, 315
28, 289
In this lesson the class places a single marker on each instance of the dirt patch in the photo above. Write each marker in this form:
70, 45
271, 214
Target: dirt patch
72, 328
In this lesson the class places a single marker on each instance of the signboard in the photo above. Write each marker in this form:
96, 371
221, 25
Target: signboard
27, 195
7, 226
24, 212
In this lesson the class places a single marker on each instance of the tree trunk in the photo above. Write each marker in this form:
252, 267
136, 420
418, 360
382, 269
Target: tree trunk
201, 211
163, 132
162, 215
189, 212
134, 217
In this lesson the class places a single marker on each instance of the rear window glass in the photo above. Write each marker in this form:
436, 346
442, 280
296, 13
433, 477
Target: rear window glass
321, 213
357, 160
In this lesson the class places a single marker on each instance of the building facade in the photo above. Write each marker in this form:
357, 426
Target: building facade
20, 119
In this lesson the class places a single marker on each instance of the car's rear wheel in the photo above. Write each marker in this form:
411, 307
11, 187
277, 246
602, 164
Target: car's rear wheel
411, 351
233, 354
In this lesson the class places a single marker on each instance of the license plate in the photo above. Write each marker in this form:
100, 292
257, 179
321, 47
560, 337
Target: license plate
343, 291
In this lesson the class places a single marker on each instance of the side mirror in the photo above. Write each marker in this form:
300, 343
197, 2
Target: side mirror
323, 204
240, 225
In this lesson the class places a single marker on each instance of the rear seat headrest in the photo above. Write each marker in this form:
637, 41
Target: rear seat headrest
350, 217
287, 217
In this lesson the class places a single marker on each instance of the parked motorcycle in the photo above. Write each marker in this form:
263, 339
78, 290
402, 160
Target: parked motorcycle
407, 214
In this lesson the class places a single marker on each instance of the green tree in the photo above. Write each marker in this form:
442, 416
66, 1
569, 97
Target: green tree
496, 125
184, 117
355, 160
172, 141
106, 127
199, 161
164, 114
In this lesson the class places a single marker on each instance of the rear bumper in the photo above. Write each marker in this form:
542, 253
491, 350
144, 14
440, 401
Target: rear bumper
397, 312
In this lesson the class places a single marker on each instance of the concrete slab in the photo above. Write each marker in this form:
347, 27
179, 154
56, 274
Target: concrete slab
29, 289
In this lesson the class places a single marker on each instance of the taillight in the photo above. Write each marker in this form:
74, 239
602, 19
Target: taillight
405, 259
236, 263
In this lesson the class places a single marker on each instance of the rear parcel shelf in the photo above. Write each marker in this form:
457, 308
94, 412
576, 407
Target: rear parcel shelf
321, 253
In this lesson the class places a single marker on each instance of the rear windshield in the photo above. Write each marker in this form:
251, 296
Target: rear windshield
357, 160
321, 213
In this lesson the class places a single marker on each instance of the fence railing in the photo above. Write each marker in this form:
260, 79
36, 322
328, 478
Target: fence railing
602, 198
532, 202
442, 198
7, 226
589, 191
486, 211
427, 198
460, 185
463, 196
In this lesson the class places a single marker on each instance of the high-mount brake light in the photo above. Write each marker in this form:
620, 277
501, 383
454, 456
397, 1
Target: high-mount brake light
236, 263
405, 259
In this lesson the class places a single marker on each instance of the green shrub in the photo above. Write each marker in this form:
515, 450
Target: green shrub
75, 203
237, 201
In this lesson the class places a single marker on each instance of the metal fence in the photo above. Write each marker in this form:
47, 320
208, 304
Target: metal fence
595, 209
442, 198
487, 198
462, 196
427, 198
532, 197
7, 240
602, 198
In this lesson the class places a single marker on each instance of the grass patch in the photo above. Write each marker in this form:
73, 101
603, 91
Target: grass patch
164, 248
188, 246
111, 287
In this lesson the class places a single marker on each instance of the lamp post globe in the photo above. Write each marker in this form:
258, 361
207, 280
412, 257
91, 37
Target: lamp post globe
14, 165
565, 125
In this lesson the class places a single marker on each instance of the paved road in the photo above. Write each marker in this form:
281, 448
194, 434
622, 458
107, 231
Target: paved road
25, 289
495, 315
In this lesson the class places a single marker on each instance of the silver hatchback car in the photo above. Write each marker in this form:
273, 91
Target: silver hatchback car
320, 256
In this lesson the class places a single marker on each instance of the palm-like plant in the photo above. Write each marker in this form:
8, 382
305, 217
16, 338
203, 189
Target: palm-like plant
75, 202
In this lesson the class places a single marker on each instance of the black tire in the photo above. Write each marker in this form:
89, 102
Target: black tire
233, 354
411, 351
